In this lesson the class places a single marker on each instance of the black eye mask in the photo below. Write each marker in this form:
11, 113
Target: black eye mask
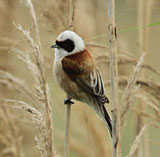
67, 45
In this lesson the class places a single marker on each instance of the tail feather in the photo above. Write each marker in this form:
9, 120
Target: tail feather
98, 106
107, 119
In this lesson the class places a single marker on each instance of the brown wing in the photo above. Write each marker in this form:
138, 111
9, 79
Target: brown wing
81, 69
79, 63
93, 84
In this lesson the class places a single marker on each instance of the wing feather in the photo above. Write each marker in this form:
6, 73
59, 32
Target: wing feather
92, 82
81, 69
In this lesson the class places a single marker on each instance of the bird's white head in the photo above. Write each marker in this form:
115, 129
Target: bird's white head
68, 43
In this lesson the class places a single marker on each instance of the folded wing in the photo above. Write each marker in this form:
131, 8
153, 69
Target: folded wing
81, 69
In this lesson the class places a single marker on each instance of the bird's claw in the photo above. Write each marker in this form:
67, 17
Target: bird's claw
68, 101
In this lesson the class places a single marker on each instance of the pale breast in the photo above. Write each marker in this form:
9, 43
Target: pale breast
69, 86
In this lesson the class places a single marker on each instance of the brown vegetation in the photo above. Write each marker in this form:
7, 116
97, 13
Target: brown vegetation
31, 104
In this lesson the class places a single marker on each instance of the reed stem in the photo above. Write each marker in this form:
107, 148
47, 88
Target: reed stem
67, 126
72, 5
113, 76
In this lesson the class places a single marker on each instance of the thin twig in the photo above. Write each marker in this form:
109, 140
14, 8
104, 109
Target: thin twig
67, 126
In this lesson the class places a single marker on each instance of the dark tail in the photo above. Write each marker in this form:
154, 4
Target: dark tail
107, 119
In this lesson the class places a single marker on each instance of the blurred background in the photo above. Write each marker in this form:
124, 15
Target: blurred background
88, 135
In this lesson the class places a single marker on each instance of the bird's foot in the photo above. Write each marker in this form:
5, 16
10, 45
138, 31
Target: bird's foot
68, 101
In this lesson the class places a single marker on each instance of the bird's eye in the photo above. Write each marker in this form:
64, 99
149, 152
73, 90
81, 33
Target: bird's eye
67, 45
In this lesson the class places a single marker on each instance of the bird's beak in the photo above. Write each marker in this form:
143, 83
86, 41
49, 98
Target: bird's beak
55, 46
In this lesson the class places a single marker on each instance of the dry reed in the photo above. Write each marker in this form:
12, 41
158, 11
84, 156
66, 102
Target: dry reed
37, 100
14, 44
136, 142
45, 140
152, 105
143, 19
144, 114
148, 86
129, 90
96, 142
124, 59
114, 77
19, 85
10, 138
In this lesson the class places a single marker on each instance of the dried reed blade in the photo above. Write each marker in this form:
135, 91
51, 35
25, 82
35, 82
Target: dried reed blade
150, 87
146, 115
32, 26
34, 17
129, 100
136, 142
155, 126
151, 104
130, 86
125, 59
42, 88
114, 78
10, 137
15, 83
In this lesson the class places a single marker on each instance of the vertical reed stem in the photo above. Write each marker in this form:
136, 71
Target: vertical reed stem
113, 77
67, 126
72, 5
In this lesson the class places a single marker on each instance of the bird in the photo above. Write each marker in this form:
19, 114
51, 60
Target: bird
75, 70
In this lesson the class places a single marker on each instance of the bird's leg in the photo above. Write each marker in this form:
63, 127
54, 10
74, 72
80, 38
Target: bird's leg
68, 101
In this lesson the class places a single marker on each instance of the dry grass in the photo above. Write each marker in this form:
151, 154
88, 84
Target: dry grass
10, 138
24, 49
40, 91
17, 84
130, 91
136, 142
124, 59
